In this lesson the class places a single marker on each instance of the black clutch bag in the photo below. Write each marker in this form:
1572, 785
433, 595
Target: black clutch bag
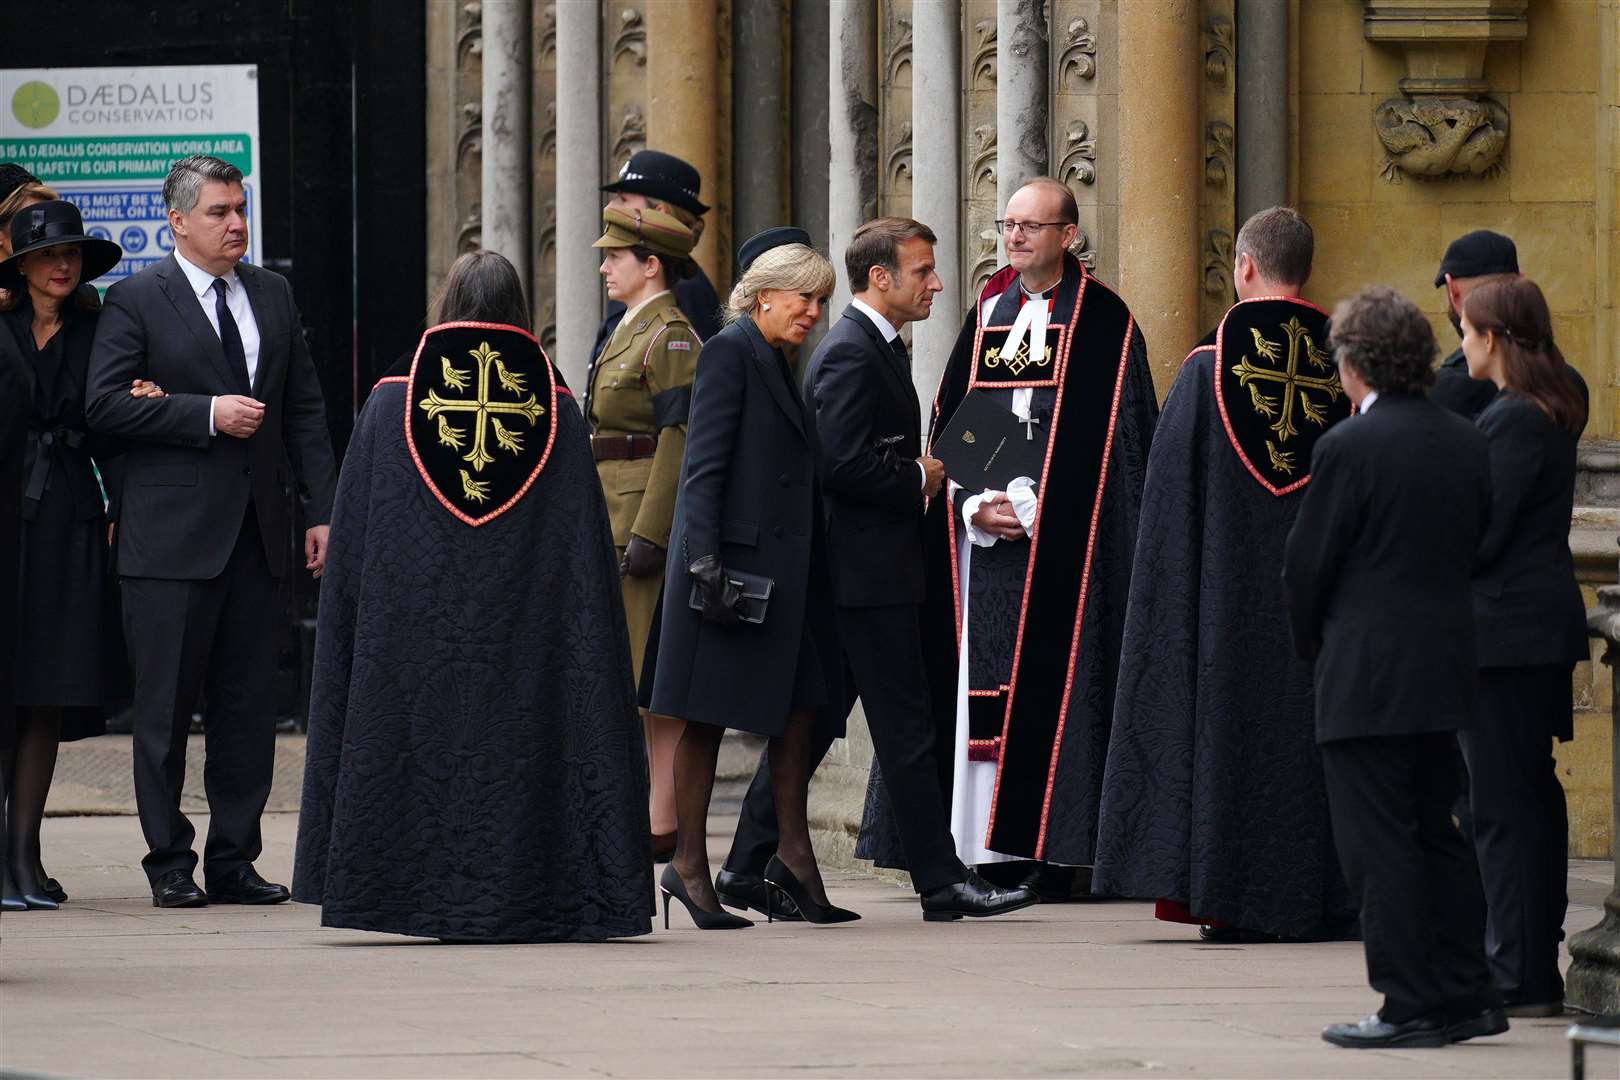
756, 595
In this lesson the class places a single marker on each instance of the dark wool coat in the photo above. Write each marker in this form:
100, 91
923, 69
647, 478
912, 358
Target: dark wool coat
70, 650
750, 494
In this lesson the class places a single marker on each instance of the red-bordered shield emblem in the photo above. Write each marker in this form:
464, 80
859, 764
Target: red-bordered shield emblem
480, 416
1277, 387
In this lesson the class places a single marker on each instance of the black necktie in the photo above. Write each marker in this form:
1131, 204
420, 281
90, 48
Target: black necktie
900, 351
229, 336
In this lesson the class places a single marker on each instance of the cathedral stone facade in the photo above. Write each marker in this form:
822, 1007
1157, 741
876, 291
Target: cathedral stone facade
1393, 126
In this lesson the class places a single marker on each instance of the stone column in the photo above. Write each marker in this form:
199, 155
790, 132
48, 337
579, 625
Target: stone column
936, 201
1022, 65
1608, 204
505, 169
1262, 106
808, 147
852, 128
579, 202
1160, 176
1593, 981
759, 129
683, 56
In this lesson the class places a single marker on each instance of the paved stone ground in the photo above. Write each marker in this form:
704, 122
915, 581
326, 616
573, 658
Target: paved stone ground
110, 986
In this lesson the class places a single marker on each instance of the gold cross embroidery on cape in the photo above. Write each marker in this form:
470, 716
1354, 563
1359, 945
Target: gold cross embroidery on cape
484, 411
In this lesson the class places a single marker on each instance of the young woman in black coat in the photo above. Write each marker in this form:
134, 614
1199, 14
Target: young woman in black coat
1531, 626
69, 651
749, 502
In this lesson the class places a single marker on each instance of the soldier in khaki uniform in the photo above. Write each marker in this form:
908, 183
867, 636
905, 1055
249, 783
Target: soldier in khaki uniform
639, 391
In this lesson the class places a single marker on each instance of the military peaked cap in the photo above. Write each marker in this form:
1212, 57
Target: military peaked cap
658, 232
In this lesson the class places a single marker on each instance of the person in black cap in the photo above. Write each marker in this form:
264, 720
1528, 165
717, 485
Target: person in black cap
659, 181
69, 660
1470, 261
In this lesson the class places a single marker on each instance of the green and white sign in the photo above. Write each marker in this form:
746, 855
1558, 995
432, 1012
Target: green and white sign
104, 139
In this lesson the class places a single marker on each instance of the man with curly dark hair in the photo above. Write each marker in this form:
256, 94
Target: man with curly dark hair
1377, 572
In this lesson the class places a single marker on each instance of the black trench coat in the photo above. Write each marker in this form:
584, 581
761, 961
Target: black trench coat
749, 493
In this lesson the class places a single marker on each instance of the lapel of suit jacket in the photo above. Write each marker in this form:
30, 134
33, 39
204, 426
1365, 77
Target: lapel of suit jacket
897, 377
177, 287
265, 313
775, 381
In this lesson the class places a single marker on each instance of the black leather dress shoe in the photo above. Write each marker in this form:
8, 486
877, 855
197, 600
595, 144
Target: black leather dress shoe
245, 886
1488, 1021
975, 898
744, 891
1235, 935
1054, 884
1530, 1009
1374, 1033
176, 889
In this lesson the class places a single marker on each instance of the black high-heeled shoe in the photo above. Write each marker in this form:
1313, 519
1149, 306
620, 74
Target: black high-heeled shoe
671, 885
51, 887
779, 879
10, 896
33, 898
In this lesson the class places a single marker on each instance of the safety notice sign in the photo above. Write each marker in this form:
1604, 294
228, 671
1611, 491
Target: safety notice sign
104, 139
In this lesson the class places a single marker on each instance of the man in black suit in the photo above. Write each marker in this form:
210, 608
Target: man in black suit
202, 536
1376, 572
869, 432
1470, 260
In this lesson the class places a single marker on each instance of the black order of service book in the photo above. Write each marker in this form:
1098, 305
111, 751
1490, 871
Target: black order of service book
985, 447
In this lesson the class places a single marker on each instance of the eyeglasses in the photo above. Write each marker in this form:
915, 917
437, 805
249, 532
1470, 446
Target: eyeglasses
1030, 228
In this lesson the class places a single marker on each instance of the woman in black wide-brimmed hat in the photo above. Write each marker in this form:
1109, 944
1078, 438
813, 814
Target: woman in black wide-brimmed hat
69, 663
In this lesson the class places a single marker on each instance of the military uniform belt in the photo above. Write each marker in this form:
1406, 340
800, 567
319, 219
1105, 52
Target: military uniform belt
622, 447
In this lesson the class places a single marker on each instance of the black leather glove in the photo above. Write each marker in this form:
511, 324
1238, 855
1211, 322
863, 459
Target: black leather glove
720, 597
642, 558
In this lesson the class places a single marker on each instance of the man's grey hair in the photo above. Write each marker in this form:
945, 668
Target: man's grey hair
1280, 242
187, 176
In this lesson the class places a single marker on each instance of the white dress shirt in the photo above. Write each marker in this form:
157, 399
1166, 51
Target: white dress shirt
886, 328
1367, 402
236, 302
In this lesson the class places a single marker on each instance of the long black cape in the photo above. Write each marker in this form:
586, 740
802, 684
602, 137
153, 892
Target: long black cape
1213, 794
475, 759
1055, 725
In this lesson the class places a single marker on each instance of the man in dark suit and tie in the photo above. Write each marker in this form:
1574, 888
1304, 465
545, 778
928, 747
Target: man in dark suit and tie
1376, 572
202, 534
869, 432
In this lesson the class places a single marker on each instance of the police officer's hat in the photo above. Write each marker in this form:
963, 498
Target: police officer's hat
658, 232
660, 176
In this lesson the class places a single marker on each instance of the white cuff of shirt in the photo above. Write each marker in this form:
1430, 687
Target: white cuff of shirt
977, 537
922, 477
1021, 493
211, 431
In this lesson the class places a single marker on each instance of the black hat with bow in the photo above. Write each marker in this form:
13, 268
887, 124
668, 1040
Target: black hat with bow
52, 224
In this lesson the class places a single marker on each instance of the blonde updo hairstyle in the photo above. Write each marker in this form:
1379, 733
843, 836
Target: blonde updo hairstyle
789, 268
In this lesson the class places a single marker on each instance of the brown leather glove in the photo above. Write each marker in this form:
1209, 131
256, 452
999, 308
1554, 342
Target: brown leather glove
720, 597
642, 558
